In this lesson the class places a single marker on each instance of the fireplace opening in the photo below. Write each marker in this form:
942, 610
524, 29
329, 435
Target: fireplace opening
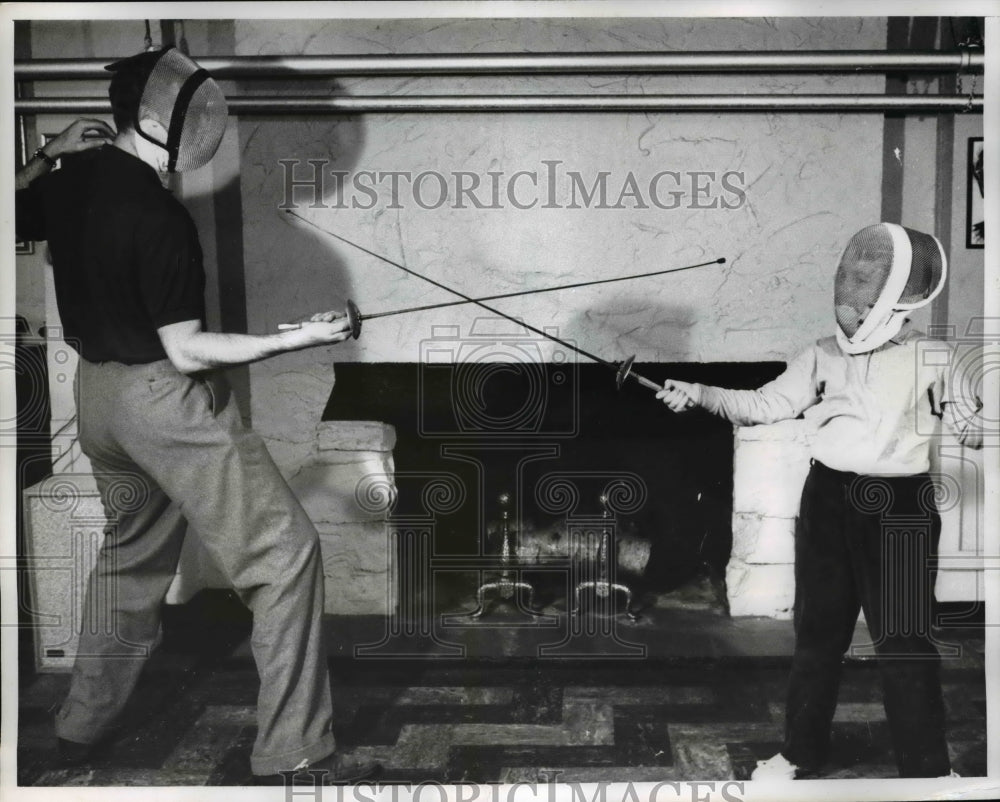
521, 429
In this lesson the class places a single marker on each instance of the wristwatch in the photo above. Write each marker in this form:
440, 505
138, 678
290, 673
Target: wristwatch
45, 157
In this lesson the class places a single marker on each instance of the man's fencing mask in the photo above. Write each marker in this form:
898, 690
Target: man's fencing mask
184, 99
886, 271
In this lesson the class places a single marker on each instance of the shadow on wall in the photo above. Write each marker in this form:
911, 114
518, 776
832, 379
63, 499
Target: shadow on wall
289, 163
629, 323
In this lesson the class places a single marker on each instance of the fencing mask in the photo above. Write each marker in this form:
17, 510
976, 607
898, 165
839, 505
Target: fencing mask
184, 99
886, 271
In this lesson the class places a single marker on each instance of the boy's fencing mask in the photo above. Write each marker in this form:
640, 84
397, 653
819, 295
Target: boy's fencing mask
185, 100
885, 272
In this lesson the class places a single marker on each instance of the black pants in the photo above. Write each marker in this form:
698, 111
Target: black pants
866, 542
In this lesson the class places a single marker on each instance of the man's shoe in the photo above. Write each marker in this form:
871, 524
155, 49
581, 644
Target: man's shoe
332, 770
774, 768
74, 753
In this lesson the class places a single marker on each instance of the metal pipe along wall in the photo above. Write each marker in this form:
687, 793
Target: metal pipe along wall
526, 64
246, 67
346, 104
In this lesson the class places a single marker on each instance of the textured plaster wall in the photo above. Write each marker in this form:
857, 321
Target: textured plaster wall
810, 180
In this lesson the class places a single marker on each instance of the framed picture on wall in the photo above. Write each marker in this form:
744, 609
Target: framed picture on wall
975, 218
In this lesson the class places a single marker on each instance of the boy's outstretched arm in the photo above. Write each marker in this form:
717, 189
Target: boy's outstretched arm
787, 396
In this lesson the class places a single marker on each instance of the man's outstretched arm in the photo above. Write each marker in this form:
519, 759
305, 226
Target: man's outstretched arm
191, 349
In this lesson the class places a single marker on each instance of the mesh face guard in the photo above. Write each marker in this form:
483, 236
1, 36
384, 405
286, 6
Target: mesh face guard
188, 103
885, 272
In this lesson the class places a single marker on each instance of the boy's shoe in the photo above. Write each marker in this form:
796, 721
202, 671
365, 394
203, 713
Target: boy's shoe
332, 770
775, 768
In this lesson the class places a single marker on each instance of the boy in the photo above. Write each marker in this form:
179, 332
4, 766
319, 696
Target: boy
873, 400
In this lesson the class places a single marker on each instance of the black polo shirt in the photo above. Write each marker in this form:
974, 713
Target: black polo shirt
125, 253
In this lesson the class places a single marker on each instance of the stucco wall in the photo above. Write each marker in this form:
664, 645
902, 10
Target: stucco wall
808, 182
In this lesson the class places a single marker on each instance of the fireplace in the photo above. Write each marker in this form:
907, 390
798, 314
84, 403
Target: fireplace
543, 432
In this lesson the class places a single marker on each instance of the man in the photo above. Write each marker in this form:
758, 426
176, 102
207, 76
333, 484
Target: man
875, 398
156, 417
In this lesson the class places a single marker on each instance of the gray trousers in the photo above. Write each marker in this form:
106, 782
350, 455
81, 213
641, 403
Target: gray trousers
168, 449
